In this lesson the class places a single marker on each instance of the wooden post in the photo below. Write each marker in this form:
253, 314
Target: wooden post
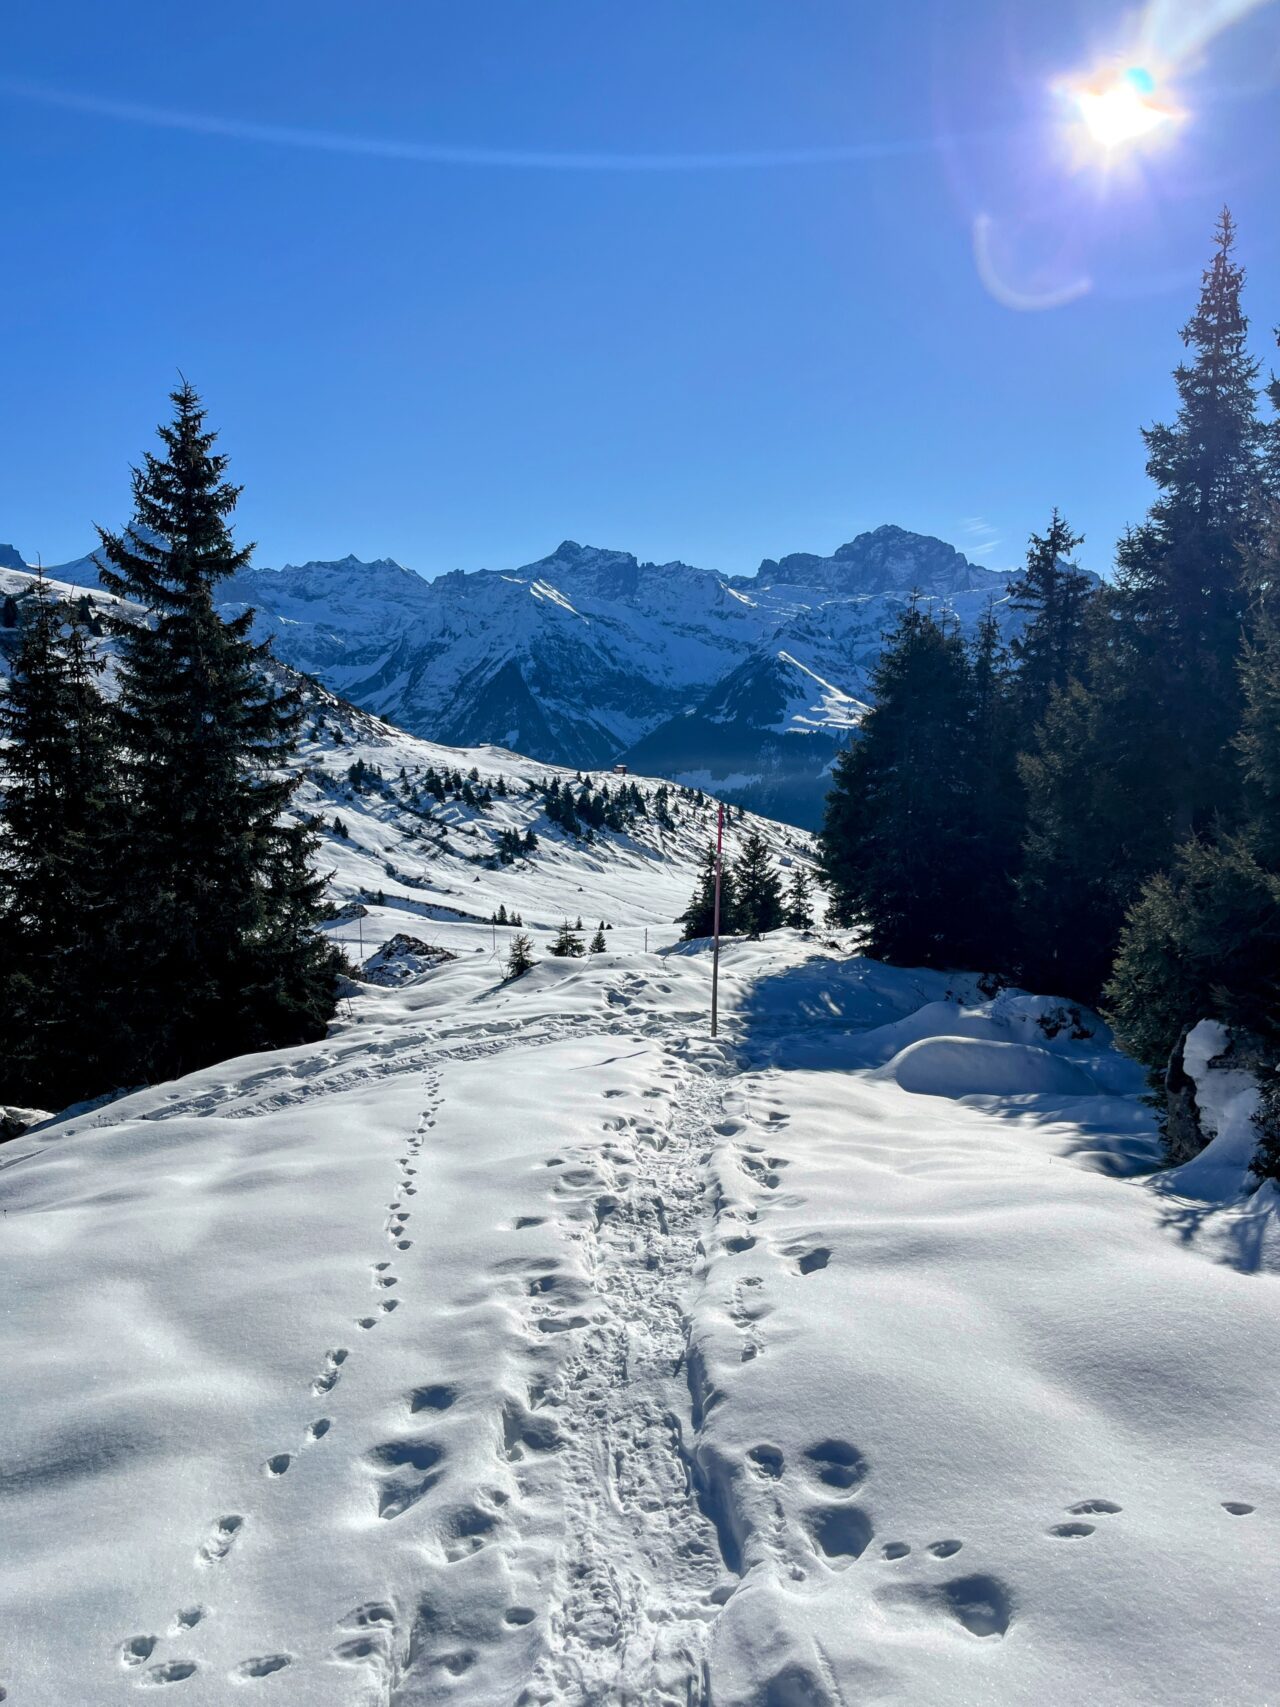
715, 929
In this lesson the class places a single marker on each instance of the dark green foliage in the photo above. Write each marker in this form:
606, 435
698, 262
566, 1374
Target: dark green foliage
1051, 649
1258, 744
568, 945
1266, 1161
519, 956
59, 852
799, 900
217, 905
597, 945
698, 917
757, 888
893, 842
1181, 583
8, 611
1202, 942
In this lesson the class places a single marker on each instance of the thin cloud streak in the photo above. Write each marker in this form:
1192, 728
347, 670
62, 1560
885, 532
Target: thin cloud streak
461, 154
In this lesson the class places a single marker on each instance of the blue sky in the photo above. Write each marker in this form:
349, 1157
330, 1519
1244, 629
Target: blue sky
446, 305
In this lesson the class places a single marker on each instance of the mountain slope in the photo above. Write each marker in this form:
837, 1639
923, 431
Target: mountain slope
589, 655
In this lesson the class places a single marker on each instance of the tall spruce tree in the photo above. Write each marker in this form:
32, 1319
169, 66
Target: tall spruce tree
60, 1019
1054, 596
757, 888
220, 909
799, 900
894, 838
992, 849
1181, 585
1120, 773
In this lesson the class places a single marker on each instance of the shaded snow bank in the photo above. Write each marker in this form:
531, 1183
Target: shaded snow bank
1221, 1199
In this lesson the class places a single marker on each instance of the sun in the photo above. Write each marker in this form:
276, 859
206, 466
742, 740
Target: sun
1117, 110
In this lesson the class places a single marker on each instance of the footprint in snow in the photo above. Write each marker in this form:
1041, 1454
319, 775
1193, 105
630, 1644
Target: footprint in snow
1073, 1531
328, 1381
1237, 1508
945, 1549
137, 1650
318, 1429
173, 1671
837, 1463
220, 1542
277, 1465
260, 1667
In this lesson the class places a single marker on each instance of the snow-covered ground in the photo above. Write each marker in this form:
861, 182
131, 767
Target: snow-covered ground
521, 1344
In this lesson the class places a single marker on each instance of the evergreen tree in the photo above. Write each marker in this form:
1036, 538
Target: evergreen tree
799, 902
220, 908
567, 945
758, 888
1181, 582
520, 956
1054, 596
698, 917
893, 839
597, 944
992, 847
8, 611
59, 838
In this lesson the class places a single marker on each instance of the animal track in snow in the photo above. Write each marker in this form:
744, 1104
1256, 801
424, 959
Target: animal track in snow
469, 1529
318, 1429
328, 1381
842, 1532
767, 1460
137, 1650
437, 1397
173, 1671
837, 1463
1237, 1508
944, 1549
980, 1604
261, 1667
410, 1468
896, 1549
277, 1465
220, 1542
814, 1259
1090, 1508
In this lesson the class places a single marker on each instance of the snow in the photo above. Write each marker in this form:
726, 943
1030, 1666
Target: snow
520, 1343
1215, 1196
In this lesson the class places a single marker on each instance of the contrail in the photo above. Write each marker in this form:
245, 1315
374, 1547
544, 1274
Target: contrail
462, 154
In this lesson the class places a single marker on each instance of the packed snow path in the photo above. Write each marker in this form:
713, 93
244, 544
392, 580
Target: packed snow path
521, 1347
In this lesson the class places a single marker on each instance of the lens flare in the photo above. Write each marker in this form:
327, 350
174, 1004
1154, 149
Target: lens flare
1119, 109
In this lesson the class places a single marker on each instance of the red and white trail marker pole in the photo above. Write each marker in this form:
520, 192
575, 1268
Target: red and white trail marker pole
715, 929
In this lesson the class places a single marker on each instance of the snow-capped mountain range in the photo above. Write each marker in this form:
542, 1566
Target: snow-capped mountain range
747, 684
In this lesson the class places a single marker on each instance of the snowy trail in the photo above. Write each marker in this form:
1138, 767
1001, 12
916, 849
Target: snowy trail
521, 1347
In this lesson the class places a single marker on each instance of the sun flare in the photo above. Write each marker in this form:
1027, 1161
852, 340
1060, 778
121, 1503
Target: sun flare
1117, 110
